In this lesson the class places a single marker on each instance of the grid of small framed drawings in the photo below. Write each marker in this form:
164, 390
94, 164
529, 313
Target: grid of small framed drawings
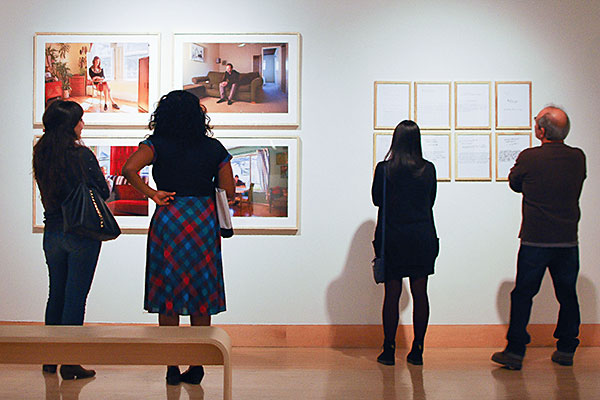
261, 121
470, 130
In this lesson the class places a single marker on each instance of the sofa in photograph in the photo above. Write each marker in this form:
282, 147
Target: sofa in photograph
250, 86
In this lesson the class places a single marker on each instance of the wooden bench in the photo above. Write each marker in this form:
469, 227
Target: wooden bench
117, 345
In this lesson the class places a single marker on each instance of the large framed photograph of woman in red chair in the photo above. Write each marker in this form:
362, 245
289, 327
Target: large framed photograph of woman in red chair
131, 208
114, 77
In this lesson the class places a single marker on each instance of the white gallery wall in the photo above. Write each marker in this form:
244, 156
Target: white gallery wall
322, 274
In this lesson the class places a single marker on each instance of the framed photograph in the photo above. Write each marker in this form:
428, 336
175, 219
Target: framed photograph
196, 52
432, 105
513, 105
246, 80
508, 147
473, 156
132, 209
392, 103
266, 175
473, 105
114, 77
435, 145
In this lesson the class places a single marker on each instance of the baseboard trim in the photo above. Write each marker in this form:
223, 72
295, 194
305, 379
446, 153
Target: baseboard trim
371, 335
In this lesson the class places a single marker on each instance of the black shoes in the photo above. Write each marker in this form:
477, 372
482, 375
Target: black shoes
508, 360
173, 375
69, 372
105, 107
562, 358
193, 375
229, 102
388, 356
49, 368
415, 357
221, 100
115, 106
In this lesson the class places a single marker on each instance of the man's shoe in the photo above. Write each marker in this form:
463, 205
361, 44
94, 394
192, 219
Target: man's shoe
115, 106
508, 360
105, 107
221, 100
229, 102
562, 358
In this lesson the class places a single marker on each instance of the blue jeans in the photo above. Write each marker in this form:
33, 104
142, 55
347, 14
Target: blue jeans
71, 261
532, 262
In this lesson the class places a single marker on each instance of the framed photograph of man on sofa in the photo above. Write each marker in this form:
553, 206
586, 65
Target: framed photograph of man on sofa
266, 192
131, 208
114, 77
245, 80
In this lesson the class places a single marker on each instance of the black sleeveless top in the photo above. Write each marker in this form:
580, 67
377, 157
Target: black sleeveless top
187, 169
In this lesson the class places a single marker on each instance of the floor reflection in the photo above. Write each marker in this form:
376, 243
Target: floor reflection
66, 390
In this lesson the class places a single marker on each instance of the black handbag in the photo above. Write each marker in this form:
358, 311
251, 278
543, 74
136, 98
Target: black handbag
378, 262
85, 213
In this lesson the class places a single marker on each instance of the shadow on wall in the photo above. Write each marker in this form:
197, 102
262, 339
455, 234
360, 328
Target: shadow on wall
353, 296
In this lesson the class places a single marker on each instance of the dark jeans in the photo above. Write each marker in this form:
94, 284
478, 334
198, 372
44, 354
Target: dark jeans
71, 263
563, 264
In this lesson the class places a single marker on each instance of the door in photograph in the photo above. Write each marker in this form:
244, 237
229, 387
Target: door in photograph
143, 84
269, 65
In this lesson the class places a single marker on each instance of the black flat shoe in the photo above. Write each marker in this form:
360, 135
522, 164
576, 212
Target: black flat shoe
193, 375
229, 102
49, 368
415, 357
115, 106
221, 100
69, 372
173, 375
105, 107
388, 356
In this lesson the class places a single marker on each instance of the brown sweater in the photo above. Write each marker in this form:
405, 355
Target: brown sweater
550, 177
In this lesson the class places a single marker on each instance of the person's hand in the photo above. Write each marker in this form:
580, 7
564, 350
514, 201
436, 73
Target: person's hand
162, 198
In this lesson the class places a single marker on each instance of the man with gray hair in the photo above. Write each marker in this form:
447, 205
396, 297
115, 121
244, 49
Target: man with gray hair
550, 177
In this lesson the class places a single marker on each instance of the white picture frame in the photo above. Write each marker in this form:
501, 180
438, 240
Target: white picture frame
269, 90
513, 105
392, 103
433, 105
473, 156
473, 105
508, 147
131, 67
275, 200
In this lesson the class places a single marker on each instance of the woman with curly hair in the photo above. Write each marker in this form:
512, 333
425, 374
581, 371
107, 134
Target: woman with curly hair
60, 163
184, 273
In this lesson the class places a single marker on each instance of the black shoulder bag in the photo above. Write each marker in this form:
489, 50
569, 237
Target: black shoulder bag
85, 213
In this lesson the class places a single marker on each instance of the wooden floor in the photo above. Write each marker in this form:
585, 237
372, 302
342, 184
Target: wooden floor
323, 373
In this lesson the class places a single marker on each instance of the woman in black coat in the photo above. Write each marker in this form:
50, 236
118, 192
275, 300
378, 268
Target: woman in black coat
411, 244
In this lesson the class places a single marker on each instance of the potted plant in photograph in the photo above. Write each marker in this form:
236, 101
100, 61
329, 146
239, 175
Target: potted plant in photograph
64, 75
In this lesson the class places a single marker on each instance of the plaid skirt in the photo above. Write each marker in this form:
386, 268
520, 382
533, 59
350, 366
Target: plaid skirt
184, 272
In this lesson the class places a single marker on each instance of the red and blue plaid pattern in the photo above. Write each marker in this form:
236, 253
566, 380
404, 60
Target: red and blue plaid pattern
184, 273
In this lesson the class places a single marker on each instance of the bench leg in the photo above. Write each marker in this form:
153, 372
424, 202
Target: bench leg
227, 389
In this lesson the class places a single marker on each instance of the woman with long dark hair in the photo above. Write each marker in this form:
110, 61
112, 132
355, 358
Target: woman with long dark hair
411, 244
99, 81
184, 273
60, 163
